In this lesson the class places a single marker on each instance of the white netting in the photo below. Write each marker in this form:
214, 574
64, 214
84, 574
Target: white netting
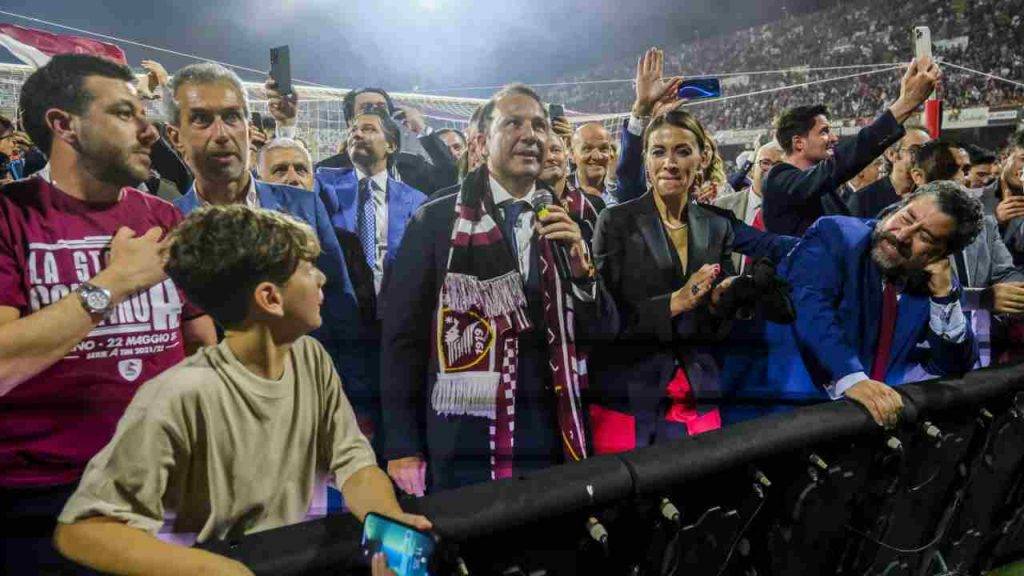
321, 119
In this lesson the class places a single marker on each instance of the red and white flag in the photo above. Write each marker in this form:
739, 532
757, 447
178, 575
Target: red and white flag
35, 47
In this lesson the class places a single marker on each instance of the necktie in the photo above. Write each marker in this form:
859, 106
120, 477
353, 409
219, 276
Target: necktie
511, 212
758, 223
885, 332
366, 222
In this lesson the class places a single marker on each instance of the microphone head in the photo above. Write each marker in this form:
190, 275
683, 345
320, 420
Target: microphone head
541, 198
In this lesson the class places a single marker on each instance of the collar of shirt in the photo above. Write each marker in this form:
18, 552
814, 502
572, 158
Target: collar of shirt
380, 178
500, 194
45, 174
252, 197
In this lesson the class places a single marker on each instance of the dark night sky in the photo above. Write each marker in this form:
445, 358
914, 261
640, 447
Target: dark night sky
401, 44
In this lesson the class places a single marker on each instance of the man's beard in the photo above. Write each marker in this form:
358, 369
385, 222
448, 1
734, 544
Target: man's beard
362, 154
912, 280
891, 268
112, 166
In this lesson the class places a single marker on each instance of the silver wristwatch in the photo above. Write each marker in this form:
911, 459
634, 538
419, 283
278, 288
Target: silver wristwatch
95, 300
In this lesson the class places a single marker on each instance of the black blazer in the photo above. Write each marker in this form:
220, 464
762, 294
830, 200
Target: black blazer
873, 198
794, 198
640, 267
407, 371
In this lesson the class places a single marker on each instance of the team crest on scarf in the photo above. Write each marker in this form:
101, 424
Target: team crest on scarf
465, 340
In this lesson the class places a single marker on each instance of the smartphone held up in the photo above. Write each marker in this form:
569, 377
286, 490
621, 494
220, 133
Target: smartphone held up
700, 89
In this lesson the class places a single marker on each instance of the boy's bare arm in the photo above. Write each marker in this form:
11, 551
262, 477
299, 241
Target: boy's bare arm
110, 546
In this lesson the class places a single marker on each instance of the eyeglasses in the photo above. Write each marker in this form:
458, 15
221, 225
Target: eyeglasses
766, 164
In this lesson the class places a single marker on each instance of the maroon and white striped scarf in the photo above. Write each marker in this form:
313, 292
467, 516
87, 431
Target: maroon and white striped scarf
481, 311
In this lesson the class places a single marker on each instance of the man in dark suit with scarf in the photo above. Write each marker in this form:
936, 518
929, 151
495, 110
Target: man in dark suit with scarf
480, 378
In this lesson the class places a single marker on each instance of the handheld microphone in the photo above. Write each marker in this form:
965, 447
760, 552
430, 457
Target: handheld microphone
541, 199
669, 511
597, 531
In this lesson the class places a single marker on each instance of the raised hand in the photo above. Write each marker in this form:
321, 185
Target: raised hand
136, 263
1008, 298
918, 82
413, 119
651, 88
1009, 208
940, 279
563, 128
282, 108
157, 76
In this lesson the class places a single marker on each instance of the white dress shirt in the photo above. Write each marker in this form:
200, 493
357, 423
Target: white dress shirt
753, 205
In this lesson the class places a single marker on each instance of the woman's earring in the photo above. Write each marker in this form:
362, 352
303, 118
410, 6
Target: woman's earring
698, 181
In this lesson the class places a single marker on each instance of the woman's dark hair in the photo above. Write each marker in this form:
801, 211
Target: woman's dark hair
60, 84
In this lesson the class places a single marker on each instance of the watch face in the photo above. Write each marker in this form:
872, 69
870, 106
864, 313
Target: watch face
97, 300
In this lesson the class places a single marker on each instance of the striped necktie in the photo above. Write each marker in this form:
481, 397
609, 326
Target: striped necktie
366, 222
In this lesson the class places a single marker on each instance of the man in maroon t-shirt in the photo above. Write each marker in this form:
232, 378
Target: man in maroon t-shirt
87, 313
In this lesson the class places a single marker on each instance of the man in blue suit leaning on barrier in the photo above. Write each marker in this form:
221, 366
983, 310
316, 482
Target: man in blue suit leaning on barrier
873, 298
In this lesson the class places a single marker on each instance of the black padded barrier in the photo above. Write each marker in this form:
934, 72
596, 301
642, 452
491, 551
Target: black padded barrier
818, 490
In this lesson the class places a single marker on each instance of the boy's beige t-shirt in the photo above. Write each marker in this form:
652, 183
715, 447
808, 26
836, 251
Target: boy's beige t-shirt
222, 450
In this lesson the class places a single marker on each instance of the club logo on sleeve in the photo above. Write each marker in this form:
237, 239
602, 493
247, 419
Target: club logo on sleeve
130, 369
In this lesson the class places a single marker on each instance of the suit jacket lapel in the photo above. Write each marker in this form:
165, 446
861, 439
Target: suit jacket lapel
751, 198
698, 239
265, 192
399, 211
912, 315
347, 197
650, 226
872, 299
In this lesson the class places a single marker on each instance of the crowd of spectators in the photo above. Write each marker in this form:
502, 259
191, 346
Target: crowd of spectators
854, 33
200, 327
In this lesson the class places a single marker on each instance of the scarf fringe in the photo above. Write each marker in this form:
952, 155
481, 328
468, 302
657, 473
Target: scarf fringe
466, 394
499, 296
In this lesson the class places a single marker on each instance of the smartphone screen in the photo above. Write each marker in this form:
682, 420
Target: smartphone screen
281, 69
408, 550
699, 88
556, 111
